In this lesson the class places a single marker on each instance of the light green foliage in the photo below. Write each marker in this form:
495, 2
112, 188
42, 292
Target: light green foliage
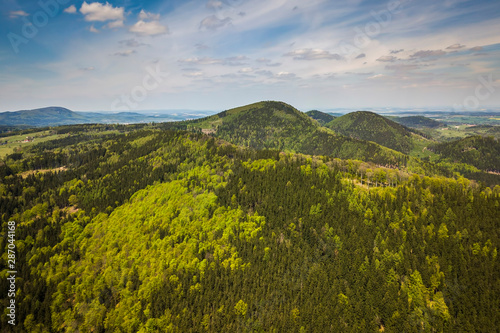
164, 228
179, 232
241, 308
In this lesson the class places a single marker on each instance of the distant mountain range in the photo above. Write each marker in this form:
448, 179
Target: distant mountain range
55, 116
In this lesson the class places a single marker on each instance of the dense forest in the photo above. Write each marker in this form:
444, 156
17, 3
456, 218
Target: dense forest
150, 228
370, 126
481, 152
277, 125
321, 117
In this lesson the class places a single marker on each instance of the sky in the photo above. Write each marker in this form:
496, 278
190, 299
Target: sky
125, 55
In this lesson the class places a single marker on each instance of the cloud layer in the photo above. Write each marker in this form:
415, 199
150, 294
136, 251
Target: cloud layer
222, 53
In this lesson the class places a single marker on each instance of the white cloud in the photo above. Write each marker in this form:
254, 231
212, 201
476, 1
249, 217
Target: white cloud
96, 11
377, 76
285, 76
143, 15
152, 28
212, 22
92, 29
201, 61
17, 13
246, 70
70, 10
387, 59
312, 54
230, 61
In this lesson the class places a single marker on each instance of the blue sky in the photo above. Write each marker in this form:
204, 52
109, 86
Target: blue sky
217, 54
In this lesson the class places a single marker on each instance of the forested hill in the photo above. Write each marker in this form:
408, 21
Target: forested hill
481, 152
370, 126
321, 117
135, 229
277, 125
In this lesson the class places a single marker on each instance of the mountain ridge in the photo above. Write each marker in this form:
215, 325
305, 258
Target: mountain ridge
56, 116
278, 125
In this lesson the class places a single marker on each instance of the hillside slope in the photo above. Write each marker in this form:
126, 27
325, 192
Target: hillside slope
370, 126
481, 152
277, 125
321, 117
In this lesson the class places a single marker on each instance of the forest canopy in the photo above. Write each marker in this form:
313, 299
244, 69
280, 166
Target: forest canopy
145, 229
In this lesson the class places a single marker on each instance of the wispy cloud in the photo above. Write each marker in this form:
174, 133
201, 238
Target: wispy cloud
132, 42
213, 4
229, 61
428, 53
455, 47
268, 62
212, 22
387, 59
285, 76
313, 54
402, 67
17, 13
125, 53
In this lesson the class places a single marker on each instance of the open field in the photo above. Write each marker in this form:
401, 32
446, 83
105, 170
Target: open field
17, 141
